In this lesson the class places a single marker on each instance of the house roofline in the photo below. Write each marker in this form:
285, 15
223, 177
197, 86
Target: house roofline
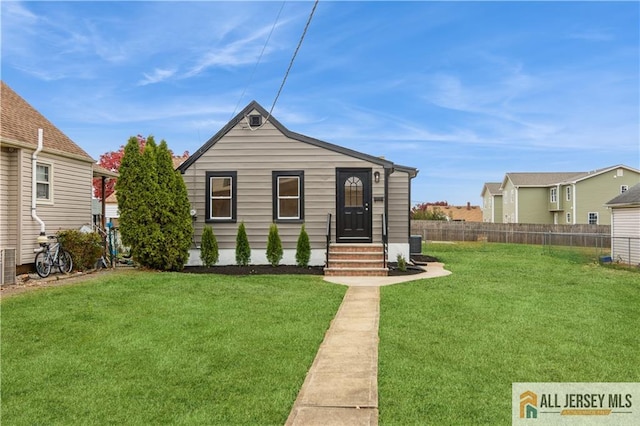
12, 143
253, 105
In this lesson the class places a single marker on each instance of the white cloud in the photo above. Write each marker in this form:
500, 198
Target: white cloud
157, 76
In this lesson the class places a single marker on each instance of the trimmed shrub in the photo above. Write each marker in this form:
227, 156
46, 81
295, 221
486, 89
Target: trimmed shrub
274, 246
402, 263
303, 249
243, 250
209, 247
85, 248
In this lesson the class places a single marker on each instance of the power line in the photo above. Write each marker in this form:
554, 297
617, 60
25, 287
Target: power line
293, 58
259, 59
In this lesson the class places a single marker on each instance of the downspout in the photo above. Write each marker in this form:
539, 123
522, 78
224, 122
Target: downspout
34, 159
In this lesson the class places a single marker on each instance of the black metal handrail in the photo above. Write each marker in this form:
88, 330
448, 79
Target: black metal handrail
385, 240
328, 235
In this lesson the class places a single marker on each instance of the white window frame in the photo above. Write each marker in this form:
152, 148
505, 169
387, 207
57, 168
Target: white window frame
49, 166
624, 188
594, 215
568, 217
276, 176
568, 192
232, 197
553, 195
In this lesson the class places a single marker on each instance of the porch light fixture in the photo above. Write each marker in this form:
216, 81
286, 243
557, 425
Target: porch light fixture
376, 177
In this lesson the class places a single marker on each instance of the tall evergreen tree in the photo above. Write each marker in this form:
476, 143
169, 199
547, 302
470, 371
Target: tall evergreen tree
129, 187
173, 211
154, 207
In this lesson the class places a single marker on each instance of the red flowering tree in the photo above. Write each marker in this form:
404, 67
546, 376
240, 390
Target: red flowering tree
111, 161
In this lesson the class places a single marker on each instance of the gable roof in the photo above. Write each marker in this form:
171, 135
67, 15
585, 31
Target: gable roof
492, 187
20, 124
466, 213
545, 179
253, 105
630, 197
539, 179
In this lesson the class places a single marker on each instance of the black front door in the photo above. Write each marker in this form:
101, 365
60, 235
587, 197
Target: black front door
353, 209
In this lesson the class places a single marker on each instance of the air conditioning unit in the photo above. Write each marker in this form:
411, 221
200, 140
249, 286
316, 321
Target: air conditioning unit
7, 266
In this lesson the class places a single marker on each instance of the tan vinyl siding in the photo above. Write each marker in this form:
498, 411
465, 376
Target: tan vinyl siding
9, 198
71, 207
399, 207
254, 155
625, 234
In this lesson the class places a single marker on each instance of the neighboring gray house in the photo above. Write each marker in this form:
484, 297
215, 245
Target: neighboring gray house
256, 171
625, 226
42, 189
491, 202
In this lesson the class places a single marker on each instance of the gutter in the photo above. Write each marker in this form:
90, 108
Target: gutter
34, 159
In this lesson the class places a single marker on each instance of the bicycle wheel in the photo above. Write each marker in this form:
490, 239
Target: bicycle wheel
43, 264
65, 263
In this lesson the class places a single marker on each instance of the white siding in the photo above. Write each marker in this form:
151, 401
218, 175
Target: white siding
625, 235
71, 207
8, 198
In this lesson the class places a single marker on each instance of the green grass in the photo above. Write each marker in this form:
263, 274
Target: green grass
151, 348
451, 347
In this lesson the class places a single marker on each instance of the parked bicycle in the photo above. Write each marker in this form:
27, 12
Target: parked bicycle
51, 254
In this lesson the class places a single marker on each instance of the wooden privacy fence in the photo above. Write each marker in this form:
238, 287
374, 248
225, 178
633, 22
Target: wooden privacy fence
519, 233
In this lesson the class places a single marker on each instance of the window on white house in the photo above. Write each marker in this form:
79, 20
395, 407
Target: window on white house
623, 188
568, 193
43, 182
568, 217
221, 197
288, 195
593, 218
554, 195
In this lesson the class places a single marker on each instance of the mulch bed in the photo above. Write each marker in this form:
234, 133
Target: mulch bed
296, 270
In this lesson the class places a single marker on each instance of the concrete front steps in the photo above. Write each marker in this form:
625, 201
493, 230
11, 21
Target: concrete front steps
356, 260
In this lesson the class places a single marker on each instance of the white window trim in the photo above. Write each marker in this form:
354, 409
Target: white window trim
45, 201
568, 192
288, 197
624, 188
568, 217
597, 218
553, 195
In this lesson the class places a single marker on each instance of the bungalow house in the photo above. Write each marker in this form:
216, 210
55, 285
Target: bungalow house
45, 182
564, 198
625, 226
256, 171
491, 202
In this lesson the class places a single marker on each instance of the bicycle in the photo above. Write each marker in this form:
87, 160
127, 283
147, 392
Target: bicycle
52, 254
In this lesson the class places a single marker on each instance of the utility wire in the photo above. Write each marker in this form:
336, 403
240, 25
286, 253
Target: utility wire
292, 59
259, 59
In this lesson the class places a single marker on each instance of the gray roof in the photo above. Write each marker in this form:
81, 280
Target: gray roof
629, 197
253, 105
558, 178
541, 179
492, 187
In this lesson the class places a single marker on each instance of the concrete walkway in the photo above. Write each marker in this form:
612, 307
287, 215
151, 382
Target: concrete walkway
341, 388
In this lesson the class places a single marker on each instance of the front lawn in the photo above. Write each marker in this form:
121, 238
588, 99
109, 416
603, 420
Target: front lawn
149, 348
451, 347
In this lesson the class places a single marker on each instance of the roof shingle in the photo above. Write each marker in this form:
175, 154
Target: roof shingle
20, 123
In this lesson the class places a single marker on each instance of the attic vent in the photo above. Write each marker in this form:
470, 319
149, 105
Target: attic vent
255, 120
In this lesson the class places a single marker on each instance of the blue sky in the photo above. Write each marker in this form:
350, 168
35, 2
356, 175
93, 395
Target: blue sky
463, 91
